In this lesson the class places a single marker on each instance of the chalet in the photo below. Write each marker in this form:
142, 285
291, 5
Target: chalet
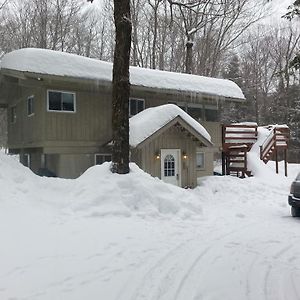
59, 115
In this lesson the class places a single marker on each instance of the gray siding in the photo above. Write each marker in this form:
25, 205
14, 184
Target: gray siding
173, 138
27, 131
70, 140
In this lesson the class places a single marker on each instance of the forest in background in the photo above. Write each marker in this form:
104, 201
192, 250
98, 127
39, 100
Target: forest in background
234, 39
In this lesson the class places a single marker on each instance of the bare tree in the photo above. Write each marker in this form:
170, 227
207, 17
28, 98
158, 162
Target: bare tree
3, 3
121, 87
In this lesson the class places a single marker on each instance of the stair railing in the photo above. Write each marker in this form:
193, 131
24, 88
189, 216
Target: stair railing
267, 145
278, 138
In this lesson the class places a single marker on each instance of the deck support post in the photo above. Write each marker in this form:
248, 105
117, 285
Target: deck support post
223, 163
276, 160
285, 162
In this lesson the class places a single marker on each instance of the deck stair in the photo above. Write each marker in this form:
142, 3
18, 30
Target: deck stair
276, 141
238, 139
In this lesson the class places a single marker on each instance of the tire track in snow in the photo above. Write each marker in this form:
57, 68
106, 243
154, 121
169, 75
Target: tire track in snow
294, 286
214, 244
139, 292
163, 269
275, 271
167, 268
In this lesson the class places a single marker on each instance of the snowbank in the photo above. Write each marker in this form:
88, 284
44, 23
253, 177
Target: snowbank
97, 192
266, 172
50, 62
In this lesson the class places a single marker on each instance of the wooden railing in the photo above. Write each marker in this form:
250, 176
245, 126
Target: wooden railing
237, 140
278, 138
239, 134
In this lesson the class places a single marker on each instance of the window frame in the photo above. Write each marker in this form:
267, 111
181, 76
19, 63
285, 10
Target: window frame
129, 105
200, 167
32, 105
62, 111
27, 158
101, 154
169, 165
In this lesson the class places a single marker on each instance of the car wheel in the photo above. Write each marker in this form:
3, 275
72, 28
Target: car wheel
295, 211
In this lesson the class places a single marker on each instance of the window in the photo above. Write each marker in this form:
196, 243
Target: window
13, 114
136, 106
61, 101
26, 160
101, 158
195, 112
211, 115
30, 107
169, 166
200, 160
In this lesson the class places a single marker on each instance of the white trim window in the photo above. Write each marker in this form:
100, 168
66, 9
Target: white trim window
135, 106
200, 160
101, 158
61, 101
13, 114
30, 106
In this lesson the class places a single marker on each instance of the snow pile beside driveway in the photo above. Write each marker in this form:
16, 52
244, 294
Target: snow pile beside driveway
97, 192
103, 193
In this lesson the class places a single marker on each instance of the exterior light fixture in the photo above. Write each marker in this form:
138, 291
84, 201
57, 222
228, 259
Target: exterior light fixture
157, 155
184, 155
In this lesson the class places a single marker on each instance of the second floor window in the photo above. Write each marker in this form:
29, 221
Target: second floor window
30, 108
136, 106
61, 101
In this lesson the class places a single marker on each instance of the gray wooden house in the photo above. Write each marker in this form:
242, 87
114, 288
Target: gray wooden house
59, 114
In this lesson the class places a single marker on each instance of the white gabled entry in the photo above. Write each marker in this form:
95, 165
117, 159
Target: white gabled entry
171, 166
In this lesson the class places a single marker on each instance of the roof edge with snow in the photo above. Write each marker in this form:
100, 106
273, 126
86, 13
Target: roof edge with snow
62, 64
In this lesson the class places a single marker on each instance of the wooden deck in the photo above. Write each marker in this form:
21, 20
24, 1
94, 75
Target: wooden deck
237, 141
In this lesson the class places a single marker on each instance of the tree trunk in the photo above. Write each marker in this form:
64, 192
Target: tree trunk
189, 57
121, 87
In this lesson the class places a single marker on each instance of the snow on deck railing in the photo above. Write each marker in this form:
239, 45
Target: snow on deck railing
240, 133
278, 137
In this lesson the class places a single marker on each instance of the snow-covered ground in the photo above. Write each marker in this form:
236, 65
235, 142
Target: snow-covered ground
132, 237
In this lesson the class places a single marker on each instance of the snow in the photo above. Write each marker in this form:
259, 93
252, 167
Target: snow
109, 236
49, 62
150, 120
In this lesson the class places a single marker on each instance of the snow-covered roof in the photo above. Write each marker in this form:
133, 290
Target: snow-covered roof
49, 62
150, 120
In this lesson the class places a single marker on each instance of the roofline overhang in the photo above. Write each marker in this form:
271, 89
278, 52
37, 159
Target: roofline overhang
106, 83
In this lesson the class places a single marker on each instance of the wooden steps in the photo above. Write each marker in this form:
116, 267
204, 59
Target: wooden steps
237, 141
275, 142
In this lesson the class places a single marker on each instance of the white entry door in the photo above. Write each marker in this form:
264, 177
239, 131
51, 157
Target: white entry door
171, 166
